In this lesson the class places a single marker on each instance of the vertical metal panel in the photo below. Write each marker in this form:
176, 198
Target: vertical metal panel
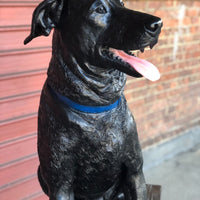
22, 73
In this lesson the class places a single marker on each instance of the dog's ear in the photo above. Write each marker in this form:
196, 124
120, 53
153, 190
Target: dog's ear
45, 17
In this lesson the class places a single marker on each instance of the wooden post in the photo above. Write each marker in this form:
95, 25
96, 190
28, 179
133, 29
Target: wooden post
153, 192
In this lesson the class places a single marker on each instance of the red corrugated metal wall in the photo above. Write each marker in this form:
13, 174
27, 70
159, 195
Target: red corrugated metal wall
22, 73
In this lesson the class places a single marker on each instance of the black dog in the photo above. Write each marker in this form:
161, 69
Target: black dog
87, 139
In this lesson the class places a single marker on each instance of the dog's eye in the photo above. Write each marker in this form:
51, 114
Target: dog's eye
101, 9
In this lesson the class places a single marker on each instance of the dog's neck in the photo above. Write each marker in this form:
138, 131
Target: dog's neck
82, 82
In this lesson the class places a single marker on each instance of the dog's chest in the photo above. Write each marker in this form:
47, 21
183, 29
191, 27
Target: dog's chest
99, 136
99, 155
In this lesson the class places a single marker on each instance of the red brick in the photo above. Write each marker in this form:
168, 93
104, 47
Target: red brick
196, 3
169, 3
195, 20
192, 12
187, 21
170, 23
155, 4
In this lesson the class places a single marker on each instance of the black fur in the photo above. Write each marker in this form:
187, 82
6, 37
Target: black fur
90, 155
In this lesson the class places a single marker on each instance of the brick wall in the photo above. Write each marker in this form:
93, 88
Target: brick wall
171, 105
161, 109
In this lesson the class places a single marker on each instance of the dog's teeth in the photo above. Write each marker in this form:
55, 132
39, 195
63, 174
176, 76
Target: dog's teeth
151, 46
147, 48
131, 53
135, 52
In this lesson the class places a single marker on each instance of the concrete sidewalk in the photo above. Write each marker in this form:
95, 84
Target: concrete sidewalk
179, 176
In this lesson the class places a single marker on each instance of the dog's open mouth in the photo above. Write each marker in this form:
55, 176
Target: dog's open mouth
143, 67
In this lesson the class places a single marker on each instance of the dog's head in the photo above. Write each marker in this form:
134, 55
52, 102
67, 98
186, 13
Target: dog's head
102, 32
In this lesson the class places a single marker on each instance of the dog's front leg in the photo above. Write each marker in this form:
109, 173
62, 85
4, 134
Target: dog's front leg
62, 187
61, 181
135, 187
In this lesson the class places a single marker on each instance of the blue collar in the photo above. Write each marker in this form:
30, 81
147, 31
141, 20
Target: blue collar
86, 109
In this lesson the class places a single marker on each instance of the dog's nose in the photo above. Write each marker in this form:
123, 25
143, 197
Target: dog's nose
154, 27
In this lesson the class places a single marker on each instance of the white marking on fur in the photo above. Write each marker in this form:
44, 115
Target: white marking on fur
177, 34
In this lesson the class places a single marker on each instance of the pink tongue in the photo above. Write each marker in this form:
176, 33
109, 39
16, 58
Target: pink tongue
146, 69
